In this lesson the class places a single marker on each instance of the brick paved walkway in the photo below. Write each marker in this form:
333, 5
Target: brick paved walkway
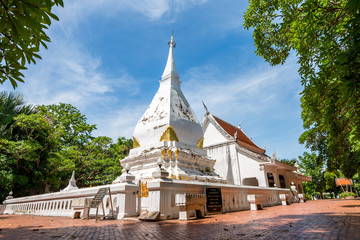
322, 219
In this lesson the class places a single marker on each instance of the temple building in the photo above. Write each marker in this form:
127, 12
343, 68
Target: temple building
241, 162
178, 168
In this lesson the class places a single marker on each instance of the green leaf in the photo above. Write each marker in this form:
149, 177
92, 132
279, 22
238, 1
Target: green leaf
53, 16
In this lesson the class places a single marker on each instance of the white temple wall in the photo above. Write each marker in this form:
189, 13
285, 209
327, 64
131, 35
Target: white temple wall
235, 165
2, 209
250, 168
234, 197
212, 136
227, 164
161, 198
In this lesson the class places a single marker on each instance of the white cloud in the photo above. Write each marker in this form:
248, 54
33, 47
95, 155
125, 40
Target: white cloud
264, 99
121, 122
252, 91
77, 11
68, 73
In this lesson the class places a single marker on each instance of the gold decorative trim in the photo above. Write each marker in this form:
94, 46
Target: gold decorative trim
144, 190
200, 143
163, 153
169, 152
177, 153
136, 143
169, 135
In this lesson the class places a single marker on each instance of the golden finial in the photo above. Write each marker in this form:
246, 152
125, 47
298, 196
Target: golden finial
172, 37
172, 43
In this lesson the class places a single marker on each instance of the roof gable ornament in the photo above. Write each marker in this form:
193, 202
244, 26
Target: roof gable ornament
169, 135
136, 143
200, 143
235, 135
206, 109
273, 158
297, 167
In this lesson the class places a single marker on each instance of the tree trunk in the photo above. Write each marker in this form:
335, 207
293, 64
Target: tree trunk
357, 194
47, 187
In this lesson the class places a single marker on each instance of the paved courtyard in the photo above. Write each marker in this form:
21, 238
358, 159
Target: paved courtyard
322, 219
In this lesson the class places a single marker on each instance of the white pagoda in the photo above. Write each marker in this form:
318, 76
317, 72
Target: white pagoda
170, 130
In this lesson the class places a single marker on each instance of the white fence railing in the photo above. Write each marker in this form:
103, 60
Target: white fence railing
60, 203
126, 199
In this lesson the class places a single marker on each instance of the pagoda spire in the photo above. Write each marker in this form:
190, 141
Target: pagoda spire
170, 69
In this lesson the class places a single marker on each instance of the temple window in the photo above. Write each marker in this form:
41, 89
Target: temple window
271, 181
282, 181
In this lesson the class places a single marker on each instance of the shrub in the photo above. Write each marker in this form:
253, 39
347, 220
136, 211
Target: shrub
347, 194
308, 197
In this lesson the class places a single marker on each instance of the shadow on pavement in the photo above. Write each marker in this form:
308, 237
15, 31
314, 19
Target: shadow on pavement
267, 224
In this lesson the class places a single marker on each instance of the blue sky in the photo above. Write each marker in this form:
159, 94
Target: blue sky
107, 56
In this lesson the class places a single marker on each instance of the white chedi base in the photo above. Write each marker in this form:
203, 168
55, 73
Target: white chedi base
184, 165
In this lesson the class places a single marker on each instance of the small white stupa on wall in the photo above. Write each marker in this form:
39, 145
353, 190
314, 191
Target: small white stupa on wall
169, 129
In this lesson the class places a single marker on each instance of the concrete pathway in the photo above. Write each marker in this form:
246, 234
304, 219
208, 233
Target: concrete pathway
322, 219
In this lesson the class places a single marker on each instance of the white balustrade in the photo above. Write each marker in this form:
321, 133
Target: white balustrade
60, 203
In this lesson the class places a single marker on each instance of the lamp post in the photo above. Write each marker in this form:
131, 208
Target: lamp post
127, 168
160, 162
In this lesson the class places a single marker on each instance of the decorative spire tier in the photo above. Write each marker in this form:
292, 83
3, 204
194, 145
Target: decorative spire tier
169, 119
170, 68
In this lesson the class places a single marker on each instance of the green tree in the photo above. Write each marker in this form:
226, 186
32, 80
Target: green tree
11, 105
22, 25
76, 135
310, 165
6, 178
122, 147
30, 155
330, 184
356, 186
290, 162
95, 160
76, 129
43, 148
96, 163
325, 35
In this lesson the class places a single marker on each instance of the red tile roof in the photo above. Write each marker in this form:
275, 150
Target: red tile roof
241, 138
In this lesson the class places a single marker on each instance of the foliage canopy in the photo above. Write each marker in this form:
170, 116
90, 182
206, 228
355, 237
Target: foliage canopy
325, 34
11, 105
41, 149
22, 30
